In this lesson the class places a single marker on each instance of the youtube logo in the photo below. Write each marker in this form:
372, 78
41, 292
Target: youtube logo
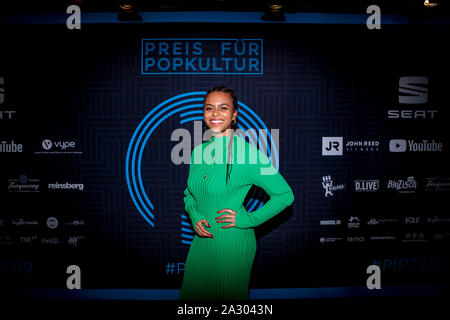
397, 145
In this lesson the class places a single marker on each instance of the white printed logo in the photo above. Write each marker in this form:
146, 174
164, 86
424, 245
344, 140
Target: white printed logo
415, 90
397, 145
57, 147
353, 222
330, 222
47, 144
332, 146
440, 183
52, 223
401, 145
366, 185
327, 184
403, 186
411, 220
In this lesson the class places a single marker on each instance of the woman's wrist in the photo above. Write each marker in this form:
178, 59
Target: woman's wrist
242, 219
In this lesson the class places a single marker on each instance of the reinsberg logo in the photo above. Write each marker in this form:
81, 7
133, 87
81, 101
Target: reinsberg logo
202, 56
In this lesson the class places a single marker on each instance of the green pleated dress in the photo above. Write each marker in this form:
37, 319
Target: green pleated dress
220, 267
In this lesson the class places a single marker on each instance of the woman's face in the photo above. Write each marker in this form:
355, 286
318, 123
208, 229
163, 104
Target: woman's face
218, 112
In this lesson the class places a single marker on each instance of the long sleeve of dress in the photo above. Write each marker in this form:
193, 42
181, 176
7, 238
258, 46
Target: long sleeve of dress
190, 204
265, 176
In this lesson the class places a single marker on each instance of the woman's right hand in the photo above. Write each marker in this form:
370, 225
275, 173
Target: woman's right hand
201, 231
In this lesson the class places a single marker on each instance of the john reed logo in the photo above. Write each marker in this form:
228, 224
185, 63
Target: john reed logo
362, 145
334, 146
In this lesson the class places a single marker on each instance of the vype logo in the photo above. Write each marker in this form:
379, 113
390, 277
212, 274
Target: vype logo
413, 90
332, 146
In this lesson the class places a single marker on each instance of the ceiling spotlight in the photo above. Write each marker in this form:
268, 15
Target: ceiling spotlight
274, 12
128, 12
126, 7
430, 4
275, 7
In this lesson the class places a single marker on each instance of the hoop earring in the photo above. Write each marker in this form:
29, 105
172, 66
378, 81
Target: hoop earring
233, 122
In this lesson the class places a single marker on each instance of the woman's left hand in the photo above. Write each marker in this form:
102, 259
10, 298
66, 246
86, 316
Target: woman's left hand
229, 217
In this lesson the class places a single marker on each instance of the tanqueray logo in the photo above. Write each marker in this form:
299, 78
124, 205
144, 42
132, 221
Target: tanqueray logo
187, 107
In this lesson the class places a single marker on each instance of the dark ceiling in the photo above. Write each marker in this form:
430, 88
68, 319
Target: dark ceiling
326, 6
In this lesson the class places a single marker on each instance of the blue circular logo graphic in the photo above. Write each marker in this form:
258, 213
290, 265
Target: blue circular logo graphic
188, 107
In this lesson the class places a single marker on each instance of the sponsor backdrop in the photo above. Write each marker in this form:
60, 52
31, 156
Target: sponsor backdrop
88, 148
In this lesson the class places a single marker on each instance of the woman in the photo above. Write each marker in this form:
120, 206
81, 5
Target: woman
222, 171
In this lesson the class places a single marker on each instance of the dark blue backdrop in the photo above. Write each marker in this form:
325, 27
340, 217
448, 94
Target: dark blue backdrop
86, 87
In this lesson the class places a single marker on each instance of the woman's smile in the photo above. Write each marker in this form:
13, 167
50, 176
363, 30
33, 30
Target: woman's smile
218, 112
216, 121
